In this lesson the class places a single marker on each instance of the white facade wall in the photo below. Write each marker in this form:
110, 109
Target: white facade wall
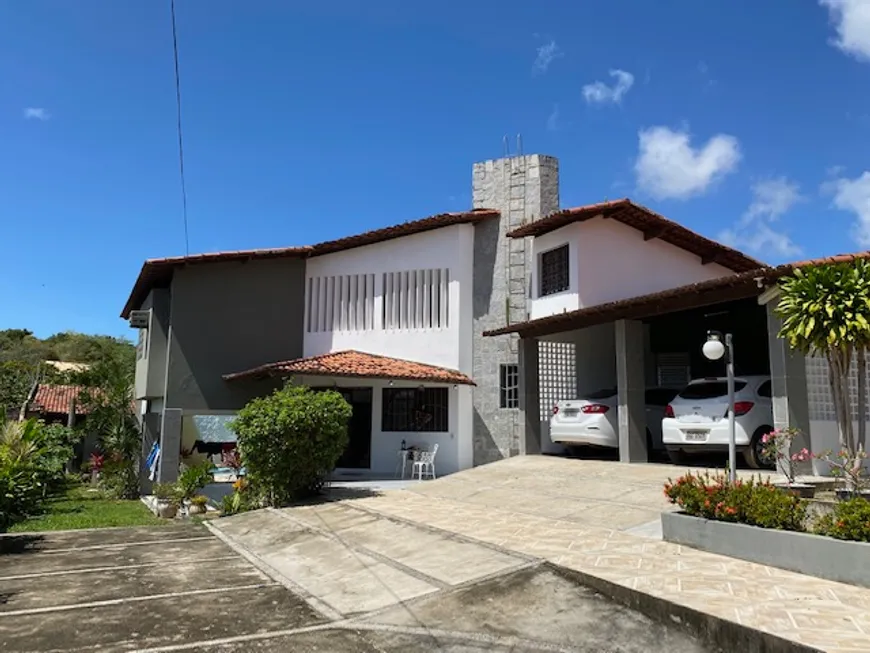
454, 446
407, 298
609, 261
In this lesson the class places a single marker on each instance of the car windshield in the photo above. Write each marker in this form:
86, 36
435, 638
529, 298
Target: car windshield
709, 389
602, 394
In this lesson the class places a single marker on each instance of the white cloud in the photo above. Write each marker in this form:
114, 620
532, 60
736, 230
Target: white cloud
761, 239
771, 199
36, 113
553, 119
853, 195
851, 19
601, 93
546, 54
667, 165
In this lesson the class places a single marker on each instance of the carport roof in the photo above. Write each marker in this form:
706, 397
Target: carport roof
651, 224
696, 295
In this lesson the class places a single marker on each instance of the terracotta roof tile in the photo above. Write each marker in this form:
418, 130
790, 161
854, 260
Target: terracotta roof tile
651, 224
157, 272
51, 398
356, 364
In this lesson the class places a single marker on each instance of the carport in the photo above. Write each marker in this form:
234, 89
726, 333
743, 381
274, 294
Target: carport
654, 340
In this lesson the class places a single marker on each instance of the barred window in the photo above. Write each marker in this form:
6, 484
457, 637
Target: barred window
554, 271
414, 409
509, 386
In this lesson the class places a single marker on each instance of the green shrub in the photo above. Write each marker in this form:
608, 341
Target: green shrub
242, 499
166, 492
290, 440
33, 458
194, 478
757, 503
849, 521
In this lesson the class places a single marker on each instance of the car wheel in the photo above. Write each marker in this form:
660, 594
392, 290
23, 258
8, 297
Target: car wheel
677, 456
754, 454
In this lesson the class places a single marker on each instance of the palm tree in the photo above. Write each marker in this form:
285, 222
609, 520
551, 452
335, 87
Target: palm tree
825, 311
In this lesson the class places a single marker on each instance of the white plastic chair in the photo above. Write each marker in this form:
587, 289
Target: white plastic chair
425, 464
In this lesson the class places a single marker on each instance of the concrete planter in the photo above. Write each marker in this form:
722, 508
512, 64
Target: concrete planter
799, 490
804, 553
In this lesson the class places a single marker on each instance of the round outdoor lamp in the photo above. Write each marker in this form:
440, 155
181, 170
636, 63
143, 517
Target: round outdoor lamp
714, 349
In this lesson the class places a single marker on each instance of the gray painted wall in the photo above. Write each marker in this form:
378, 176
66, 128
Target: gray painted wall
523, 188
229, 317
151, 370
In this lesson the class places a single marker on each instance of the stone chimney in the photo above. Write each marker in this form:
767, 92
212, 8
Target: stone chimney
524, 189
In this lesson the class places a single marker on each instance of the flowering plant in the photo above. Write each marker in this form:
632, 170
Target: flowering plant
778, 444
97, 462
849, 466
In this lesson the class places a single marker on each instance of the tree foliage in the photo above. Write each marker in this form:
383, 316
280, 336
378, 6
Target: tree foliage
825, 311
33, 457
23, 356
291, 440
112, 417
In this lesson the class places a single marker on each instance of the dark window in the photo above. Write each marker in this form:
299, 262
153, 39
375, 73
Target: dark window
414, 409
710, 389
659, 396
601, 394
765, 389
509, 386
554, 271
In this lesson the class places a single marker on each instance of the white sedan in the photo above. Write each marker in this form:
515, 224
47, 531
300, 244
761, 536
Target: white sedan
697, 419
592, 420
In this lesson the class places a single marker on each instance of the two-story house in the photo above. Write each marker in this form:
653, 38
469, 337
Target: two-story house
395, 318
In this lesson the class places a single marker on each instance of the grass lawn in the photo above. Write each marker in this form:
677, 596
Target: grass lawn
81, 507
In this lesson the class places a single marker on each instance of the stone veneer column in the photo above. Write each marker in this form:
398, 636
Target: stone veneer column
524, 189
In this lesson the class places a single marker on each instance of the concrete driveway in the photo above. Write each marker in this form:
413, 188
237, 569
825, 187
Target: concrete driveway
395, 589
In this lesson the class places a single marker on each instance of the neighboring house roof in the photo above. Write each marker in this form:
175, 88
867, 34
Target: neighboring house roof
157, 272
651, 224
50, 398
66, 366
695, 295
356, 364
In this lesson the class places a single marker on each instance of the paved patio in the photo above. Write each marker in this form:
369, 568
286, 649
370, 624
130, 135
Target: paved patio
591, 516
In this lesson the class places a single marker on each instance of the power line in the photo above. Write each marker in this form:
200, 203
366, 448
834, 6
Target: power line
180, 139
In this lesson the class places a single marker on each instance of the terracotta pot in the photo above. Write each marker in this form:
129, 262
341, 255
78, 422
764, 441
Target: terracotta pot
166, 510
799, 490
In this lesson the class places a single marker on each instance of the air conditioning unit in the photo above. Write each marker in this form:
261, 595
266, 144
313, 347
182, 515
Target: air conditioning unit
140, 319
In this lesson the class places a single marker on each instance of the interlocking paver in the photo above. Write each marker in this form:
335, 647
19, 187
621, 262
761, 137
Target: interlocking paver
828, 615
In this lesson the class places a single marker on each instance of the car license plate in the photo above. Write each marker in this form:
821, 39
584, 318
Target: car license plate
696, 436
571, 412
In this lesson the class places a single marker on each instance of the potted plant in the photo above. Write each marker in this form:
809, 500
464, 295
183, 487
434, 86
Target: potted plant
167, 500
192, 480
198, 505
849, 467
777, 445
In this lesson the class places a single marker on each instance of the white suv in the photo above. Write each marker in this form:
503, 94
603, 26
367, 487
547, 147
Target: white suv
697, 419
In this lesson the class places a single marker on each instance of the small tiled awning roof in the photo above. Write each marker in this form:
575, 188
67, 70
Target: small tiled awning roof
651, 224
356, 364
51, 398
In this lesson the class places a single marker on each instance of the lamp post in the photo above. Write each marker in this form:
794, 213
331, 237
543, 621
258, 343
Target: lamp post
714, 349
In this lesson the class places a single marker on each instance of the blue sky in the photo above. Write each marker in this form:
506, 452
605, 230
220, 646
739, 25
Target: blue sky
744, 120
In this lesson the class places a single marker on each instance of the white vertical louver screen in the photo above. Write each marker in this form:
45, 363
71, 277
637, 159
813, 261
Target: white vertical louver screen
340, 303
416, 299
